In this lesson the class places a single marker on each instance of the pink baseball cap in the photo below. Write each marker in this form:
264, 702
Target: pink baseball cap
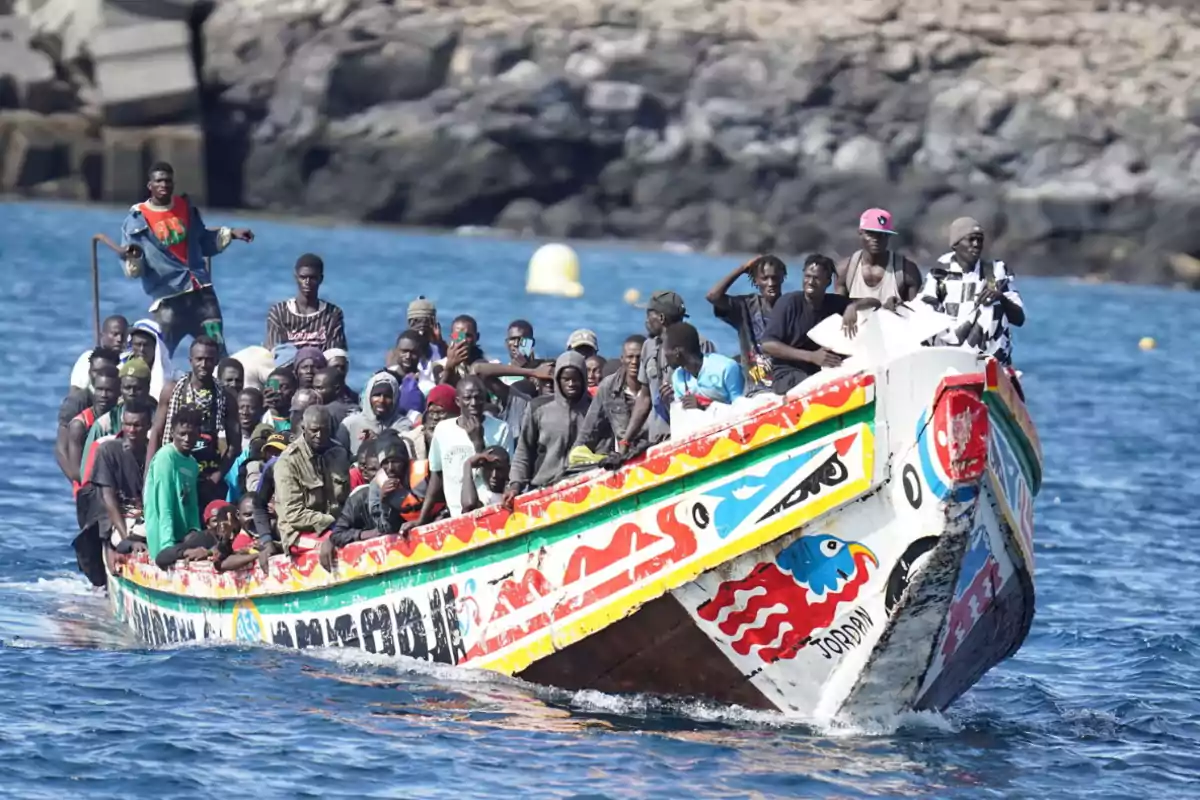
877, 220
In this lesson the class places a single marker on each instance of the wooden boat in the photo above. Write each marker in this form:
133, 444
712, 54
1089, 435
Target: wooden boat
861, 547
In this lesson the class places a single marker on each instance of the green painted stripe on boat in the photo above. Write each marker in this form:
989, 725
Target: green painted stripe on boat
1026, 456
337, 596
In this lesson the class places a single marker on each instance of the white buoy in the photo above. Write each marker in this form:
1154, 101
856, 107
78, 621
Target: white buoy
632, 296
554, 270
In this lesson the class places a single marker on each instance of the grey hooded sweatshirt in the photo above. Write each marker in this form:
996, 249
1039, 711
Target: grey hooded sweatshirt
548, 432
355, 428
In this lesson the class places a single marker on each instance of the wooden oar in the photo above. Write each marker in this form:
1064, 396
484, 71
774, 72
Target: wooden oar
97, 239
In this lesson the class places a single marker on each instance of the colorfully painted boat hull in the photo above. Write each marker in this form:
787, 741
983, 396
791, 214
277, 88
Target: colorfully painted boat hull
862, 547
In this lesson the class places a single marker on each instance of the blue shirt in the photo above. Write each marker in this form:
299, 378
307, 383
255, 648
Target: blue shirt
720, 379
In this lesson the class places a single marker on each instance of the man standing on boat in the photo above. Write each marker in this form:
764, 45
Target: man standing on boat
977, 292
306, 320
166, 244
877, 271
748, 313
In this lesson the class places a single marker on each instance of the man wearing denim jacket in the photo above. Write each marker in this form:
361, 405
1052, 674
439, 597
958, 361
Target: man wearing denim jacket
166, 244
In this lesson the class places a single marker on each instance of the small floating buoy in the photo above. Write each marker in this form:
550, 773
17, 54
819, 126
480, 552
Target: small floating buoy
554, 270
632, 296
1147, 343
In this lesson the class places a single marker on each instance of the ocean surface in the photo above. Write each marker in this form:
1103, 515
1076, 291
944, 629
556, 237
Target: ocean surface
1103, 700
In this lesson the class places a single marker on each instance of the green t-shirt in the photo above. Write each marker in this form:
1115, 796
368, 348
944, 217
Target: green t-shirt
170, 500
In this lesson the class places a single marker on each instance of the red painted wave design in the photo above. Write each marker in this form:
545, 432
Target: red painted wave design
801, 617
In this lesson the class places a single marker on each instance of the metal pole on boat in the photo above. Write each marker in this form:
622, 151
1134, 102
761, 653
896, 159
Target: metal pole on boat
97, 239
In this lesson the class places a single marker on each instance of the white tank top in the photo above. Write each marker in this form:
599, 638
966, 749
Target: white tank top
887, 288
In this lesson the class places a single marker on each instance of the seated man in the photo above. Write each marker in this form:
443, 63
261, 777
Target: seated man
454, 442
312, 482
793, 355
278, 392
77, 401
306, 319
171, 491
215, 542
441, 404
307, 363
328, 383
699, 379
978, 293
380, 411
119, 475
339, 360
608, 415
106, 391
493, 468
385, 503
549, 429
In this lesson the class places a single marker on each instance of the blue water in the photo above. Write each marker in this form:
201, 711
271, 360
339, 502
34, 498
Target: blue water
1102, 701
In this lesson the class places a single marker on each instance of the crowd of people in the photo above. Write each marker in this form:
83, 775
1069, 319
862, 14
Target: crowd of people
219, 463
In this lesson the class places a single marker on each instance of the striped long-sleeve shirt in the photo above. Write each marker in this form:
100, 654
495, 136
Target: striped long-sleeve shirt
324, 328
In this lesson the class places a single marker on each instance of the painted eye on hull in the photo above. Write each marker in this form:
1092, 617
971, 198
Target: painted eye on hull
832, 547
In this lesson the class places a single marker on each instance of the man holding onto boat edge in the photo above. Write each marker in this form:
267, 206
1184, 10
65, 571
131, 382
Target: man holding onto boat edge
166, 245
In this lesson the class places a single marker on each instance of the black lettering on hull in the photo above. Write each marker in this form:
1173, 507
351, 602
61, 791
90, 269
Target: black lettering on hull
377, 634
847, 636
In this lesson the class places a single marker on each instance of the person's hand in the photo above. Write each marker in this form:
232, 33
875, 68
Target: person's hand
748, 267
690, 402
509, 498
473, 428
988, 296
665, 393
264, 557
242, 234
544, 372
195, 554
436, 334
479, 459
215, 477
390, 487
850, 321
133, 251
892, 303
327, 555
407, 527
270, 397
826, 359
456, 355
365, 434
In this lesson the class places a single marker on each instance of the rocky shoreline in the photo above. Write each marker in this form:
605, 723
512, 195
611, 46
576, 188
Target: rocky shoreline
1070, 128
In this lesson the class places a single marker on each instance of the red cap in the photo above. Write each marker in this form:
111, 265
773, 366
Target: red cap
212, 508
443, 396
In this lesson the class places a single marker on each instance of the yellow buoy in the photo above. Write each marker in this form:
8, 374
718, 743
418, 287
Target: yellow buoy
632, 296
554, 270
1147, 343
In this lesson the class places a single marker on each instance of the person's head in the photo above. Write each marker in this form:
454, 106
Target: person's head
302, 399
203, 355
250, 407
818, 271
393, 458
382, 393
410, 350
966, 240
367, 459
471, 395
665, 308
113, 332
310, 272
338, 359
315, 427
185, 428
631, 356
519, 341
106, 389
422, 317
245, 512
768, 275
231, 374
135, 380
440, 404
308, 360
327, 383
584, 342
569, 376
681, 345
283, 382
464, 329
595, 370
161, 183
136, 418
875, 230
495, 469
143, 344
100, 358
221, 517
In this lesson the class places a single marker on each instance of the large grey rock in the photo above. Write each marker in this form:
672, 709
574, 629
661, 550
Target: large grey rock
145, 73
27, 76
